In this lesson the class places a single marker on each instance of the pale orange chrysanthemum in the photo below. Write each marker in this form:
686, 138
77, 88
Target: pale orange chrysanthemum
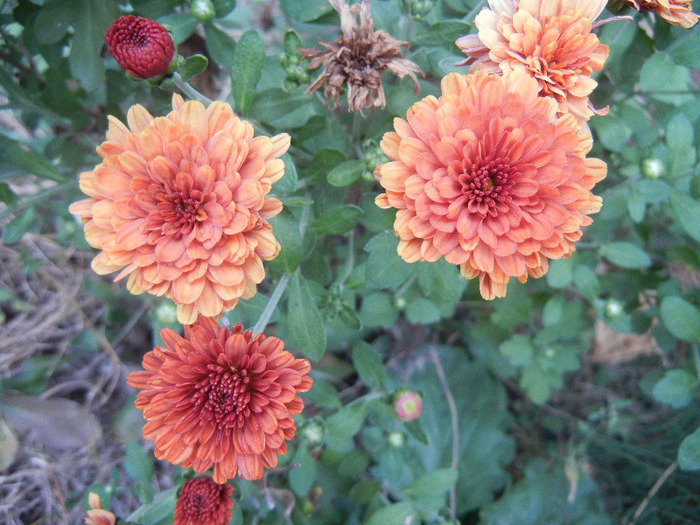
219, 397
178, 204
97, 515
676, 12
489, 177
550, 40
202, 501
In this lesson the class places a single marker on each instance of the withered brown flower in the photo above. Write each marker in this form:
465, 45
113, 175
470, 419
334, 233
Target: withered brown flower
358, 58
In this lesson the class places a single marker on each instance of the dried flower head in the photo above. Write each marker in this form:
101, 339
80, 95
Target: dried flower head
220, 397
202, 501
178, 205
97, 515
358, 59
489, 177
142, 47
676, 12
550, 40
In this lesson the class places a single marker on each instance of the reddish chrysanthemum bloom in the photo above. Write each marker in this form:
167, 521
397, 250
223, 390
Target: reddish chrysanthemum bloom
490, 178
220, 397
202, 501
408, 405
178, 204
142, 47
97, 515
676, 12
549, 40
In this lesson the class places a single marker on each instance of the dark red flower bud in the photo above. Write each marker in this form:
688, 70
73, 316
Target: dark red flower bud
204, 502
143, 47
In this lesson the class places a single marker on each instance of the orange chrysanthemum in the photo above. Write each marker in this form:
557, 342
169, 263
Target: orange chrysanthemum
550, 40
220, 397
676, 12
202, 501
490, 178
178, 204
97, 515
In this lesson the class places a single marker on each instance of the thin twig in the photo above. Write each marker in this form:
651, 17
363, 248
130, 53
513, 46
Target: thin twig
188, 90
659, 483
455, 426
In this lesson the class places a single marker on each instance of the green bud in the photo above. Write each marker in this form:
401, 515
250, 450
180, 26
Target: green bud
614, 308
400, 302
653, 168
313, 433
166, 313
396, 439
202, 10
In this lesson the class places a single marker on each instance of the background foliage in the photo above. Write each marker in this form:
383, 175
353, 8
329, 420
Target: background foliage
564, 402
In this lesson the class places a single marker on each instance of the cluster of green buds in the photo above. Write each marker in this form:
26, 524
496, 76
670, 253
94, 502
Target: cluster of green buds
373, 157
337, 306
418, 8
290, 60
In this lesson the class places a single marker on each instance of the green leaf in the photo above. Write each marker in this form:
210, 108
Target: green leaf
339, 219
323, 394
663, 80
219, 45
159, 511
306, 329
193, 66
377, 310
539, 382
369, 365
283, 110
53, 21
518, 349
679, 137
415, 428
288, 182
343, 425
7, 195
181, 25
553, 310
441, 34
346, 173
248, 59
24, 160
18, 226
686, 210
307, 11
285, 228
689, 452
684, 50
398, 513
625, 255
586, 281
560, 273
385, 269
292, 42
432, 483
223, 7
138, 463
93, 19
422, 311
302, 478
681, 318
675, 388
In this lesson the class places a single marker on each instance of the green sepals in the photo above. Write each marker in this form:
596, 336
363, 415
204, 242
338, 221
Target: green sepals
193, 66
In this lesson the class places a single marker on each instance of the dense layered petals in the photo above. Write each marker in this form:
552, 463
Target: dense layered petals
219, 397
489, 177
142, 47
178, 205
548, 40
676, 12
202, 501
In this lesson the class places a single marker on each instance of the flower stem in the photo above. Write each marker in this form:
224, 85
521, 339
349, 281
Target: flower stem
188, 90
271, 304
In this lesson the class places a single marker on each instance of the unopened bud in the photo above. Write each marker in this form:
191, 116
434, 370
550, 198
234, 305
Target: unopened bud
408, 405
396, 439
652, 168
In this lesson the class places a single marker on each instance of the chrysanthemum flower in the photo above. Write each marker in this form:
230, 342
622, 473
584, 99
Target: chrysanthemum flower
142, 47
202, 501
550, 40
676, 12
490, 178
178, 204
220, 397
97, 515
408, 405
358, 59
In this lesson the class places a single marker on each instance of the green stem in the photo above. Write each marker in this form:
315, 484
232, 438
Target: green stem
281, 285
188, 90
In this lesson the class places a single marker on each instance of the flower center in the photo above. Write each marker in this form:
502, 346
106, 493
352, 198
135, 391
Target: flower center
224, 397
487, 182
182, 211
